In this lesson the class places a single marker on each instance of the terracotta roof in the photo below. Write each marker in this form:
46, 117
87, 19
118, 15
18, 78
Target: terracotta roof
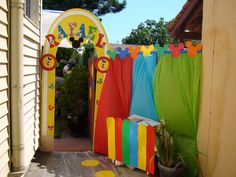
188, 23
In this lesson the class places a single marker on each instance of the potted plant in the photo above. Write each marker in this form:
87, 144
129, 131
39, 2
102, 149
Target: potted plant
170, 162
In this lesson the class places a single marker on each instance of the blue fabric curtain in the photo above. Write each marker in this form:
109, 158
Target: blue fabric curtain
142, 102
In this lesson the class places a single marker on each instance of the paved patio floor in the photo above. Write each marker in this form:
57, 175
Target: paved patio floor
68, 143
68, 164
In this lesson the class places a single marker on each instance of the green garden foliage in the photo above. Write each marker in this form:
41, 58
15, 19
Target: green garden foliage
99, 8
64, 53
150, 32
88, 52
74, 92
166, 146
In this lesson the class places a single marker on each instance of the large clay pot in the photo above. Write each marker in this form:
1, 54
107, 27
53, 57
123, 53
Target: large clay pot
177, 171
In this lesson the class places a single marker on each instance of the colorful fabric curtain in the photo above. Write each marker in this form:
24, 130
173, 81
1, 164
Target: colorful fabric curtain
115, 99
142, 102
176, 92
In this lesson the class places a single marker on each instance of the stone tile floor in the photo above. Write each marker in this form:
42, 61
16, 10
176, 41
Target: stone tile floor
68, 164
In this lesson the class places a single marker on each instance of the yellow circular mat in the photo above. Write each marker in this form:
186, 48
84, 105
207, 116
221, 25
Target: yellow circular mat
105, 173
90, 163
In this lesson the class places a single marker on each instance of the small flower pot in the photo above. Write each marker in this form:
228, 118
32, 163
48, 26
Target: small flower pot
177, 171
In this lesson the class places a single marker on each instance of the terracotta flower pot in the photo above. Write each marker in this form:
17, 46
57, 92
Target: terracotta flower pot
177, 171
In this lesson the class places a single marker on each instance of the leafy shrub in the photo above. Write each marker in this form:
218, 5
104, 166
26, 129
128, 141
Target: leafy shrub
74, 93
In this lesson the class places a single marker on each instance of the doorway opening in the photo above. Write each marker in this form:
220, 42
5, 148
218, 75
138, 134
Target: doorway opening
73, 102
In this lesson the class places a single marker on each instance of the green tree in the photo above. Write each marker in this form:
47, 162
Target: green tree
98, 7
74, 93
149, 32
76, 56
64, 53
73, 100
88, 52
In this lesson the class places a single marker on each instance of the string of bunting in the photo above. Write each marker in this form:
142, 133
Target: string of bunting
133, 51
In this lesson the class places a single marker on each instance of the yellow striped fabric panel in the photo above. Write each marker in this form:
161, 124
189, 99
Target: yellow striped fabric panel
111, 138
142, 139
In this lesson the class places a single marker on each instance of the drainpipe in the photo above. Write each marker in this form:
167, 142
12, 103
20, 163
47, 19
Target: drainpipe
17, 87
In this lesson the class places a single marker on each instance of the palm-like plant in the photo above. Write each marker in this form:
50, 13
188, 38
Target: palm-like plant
166, 147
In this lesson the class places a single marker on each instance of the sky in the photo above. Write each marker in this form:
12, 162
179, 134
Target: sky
120, 25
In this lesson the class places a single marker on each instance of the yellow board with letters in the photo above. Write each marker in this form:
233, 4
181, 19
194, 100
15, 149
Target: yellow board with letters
77, 26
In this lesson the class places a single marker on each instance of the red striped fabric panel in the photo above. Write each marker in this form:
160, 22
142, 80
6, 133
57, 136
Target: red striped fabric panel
150, 149
118, 136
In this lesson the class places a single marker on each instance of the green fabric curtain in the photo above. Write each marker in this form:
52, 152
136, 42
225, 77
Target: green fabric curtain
176, 94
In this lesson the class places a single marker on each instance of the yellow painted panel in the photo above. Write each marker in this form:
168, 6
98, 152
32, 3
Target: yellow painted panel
51, 103
111, 138
142, 139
